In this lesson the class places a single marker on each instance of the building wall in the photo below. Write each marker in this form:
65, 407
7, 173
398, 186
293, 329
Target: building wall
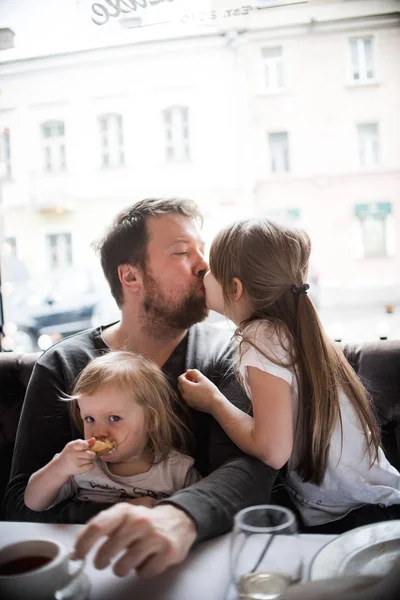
320, 107
216, 70
138, 84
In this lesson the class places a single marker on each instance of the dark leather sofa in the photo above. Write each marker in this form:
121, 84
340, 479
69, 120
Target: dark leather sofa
378, 365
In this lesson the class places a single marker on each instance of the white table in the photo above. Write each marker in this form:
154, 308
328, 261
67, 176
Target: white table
203, 576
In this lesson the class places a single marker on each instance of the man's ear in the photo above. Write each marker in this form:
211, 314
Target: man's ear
130, 277
237, 288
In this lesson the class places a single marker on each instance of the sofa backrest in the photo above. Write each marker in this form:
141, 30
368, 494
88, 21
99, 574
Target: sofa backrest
377, 364
15, 371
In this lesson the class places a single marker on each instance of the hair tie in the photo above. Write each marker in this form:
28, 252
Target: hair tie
301, 290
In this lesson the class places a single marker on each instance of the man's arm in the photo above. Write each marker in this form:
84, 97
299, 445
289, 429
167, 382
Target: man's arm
148, 540
44, 429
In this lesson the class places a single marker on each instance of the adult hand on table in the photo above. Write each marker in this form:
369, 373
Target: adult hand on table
152, 538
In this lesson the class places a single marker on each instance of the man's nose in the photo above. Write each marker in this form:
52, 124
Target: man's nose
201, 265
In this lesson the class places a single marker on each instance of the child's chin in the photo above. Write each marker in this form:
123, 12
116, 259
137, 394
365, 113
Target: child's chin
109, 455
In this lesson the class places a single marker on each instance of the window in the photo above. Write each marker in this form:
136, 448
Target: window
279, 152
361, 59
176, 128
11, 243
374, 220
5, 151
53, 141
273, 68
368, 144
111, 140
59, 250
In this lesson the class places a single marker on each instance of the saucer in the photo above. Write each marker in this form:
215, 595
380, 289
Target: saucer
78, 589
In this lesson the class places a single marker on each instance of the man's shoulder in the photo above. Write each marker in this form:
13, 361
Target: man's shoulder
75, 349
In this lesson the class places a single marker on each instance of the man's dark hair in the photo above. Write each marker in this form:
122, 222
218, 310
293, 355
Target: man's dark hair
125, 241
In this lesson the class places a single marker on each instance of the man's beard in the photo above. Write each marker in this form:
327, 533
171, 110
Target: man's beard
162, 316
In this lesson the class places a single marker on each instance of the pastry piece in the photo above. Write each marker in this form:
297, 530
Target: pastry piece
103, 447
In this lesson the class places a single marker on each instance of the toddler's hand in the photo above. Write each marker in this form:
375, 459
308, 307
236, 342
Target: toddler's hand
76, 458
198, 391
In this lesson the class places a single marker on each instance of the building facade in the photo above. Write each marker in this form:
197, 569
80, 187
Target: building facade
290, 112
324, 92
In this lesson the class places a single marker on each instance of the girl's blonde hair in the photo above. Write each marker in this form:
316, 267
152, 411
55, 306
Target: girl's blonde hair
141, 379
270, 259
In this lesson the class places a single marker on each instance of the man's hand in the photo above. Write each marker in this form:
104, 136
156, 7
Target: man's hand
152, 538
199, 392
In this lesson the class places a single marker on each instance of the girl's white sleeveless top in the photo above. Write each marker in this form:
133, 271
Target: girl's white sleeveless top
349, 481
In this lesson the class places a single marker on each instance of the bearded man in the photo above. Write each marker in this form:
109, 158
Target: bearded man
153, 259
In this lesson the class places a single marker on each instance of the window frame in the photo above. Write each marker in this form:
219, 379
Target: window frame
177, 146
117, 146
358, 43
53, 145
49, 250
5, 152
378, 212
369, 146
278, 146
272, 63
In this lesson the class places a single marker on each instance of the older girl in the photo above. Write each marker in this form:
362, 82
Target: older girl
309, 408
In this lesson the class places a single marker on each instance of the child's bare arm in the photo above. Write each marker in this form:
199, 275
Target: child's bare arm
44, 485
272, 427
269, 434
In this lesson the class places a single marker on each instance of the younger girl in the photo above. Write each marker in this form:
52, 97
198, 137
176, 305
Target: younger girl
309, 407
123, 398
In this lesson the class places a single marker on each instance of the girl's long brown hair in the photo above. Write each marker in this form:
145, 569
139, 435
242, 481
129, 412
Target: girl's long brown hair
140, 378
269, 259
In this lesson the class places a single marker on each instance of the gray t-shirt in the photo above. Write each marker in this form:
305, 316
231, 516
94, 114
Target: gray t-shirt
231, 479
101, 485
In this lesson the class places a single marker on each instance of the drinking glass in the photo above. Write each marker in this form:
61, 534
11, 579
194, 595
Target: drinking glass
265, 552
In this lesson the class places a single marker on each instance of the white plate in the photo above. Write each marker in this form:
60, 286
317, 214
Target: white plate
368, 550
